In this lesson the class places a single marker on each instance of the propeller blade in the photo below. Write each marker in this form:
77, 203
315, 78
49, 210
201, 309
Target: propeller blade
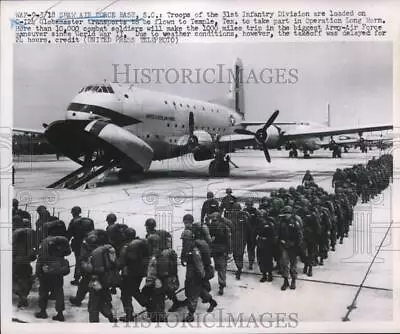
266, 153
244, 132
271, 120
191, 123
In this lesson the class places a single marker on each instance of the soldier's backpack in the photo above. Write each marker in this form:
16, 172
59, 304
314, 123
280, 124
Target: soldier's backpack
19, 222
54, 246
84, 226
165, 239
23, 245
57, 266
55, 228
103, 260
116, 233
137, 256
205, 252
167, 263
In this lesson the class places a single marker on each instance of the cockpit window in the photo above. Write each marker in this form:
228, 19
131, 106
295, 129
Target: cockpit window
98, 89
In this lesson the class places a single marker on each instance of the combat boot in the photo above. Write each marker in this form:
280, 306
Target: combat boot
263, 278
321, 261
189, 318
341, 241
59, 317
128, 317
269, 277
74, 301
177, 304
293, 284
305, 269
333, 248
23, 302
250, 266
213, 305
238, 273
221, 290
285, 284
41, 315
309, 273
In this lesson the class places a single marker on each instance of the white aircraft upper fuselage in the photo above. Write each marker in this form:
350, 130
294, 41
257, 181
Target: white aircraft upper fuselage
159, 119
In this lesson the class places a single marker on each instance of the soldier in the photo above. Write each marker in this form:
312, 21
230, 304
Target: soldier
220, 248
78, 229
198, 272
254, 215
165, 237
93, 240
264, 204
326, 226
240, 229
111, 219
25, 216
307, 177
289, 238
312, 230
23, 253
44, 217
338, 178
227, 202
209, 206
266, 240
117, 236
153, 288
51, 267
102, 268
133, 262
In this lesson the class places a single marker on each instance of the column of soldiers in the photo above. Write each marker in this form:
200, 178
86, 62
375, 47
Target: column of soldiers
303, 222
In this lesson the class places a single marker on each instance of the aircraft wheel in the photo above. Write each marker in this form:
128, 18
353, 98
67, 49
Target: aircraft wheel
219, 168
295, 154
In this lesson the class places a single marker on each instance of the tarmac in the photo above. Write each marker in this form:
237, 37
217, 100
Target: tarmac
358, 273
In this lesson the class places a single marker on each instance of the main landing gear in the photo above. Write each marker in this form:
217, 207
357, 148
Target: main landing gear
293, 153
219, 167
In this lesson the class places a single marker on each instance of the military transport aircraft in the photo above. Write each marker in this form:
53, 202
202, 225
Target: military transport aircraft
110, 125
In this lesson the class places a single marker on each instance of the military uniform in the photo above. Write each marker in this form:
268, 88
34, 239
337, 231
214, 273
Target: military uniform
289, 238
239, 235
266, 240
254, 216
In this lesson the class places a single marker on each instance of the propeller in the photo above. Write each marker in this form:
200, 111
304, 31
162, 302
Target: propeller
261, 134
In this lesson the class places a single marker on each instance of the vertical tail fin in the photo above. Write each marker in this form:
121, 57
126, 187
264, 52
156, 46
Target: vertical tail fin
329, 116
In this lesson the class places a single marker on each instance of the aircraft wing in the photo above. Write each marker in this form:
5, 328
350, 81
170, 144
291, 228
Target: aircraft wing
25, 130
325, 132
236, 141
245, 123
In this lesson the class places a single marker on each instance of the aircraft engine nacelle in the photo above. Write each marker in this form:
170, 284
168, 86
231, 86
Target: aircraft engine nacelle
273, 138
203, 137
123, 141
201, 153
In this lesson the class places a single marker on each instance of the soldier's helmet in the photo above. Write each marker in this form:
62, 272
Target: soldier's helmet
210, 194
188, 218
273, 193
228, 190
15, 203
130, 233
249, 202
150, 223
292, 190
76, 210
287, 210
236, 206
41, 209
307, 171
197, 231
282, 191
215, 215
111, 218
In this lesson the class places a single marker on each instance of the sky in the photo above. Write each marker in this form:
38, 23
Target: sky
355, 78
